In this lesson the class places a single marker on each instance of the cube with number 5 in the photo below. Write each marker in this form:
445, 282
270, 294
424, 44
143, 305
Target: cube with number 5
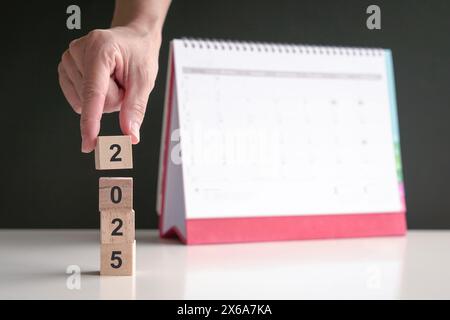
117, 259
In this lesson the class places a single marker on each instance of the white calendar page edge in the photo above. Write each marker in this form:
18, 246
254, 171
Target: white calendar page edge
174, 215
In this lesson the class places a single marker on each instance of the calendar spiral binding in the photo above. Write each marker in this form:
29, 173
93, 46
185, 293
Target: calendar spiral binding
283, 48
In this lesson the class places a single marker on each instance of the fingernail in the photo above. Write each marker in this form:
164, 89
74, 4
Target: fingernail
135, 131
83, 146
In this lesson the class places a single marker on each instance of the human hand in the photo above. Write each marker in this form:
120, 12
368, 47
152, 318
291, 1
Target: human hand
107, 71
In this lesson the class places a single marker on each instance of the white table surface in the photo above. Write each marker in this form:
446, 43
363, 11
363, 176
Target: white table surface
33, 265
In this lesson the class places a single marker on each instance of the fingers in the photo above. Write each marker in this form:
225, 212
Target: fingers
69, 90
114, 97
72, 71
95, 87
138, 88
114, 94
94, 57
86, 78
76, 50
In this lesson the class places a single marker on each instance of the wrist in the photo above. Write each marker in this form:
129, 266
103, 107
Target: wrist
144, 17
146, 30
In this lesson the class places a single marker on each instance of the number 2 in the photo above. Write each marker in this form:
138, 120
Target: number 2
115, 256
116, 231
115, 157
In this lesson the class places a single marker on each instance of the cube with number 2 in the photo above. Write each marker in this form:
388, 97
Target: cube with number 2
117, 226
113, 152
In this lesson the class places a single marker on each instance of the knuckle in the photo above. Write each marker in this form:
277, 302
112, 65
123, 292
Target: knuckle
87, 121
65, 57
100, 44
139, 108
146, 76
91, 91
99, 35
106, 53
60, 68
61, 82
76, 108
151, 84
73, 45
96, 33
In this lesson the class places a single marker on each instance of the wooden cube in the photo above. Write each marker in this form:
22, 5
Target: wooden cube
113, 152
118, 259
117, 226
115, 193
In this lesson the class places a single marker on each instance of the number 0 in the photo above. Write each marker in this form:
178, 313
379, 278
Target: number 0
116, 194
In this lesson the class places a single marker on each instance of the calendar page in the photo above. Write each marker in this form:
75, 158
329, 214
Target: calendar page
269, 130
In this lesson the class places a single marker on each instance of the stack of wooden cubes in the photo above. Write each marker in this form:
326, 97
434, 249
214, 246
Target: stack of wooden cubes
117, 227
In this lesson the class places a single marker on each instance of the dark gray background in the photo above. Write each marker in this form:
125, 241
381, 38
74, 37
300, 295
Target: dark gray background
47, 182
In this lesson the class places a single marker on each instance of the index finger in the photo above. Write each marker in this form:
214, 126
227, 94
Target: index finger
95, 88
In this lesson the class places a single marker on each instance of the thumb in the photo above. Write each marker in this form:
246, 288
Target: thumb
132, 113
94, 90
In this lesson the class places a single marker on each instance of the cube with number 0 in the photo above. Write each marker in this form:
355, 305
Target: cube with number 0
115, 193
113, 152
118, 259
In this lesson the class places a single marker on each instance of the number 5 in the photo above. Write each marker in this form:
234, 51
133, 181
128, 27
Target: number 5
115, 256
